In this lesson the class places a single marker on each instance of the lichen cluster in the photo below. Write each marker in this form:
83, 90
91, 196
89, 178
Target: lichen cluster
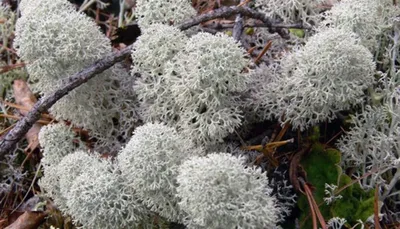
192, 93
70, 41
157, 172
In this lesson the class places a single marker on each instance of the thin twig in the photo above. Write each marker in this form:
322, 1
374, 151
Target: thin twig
310, 203
334, 137
238, 27
121, 12
265, 49
18, 118
7, 129
257, 25
30, 187
7, 68
315, 212
9, 141
224, 12
19, 107
243, 2
86, 6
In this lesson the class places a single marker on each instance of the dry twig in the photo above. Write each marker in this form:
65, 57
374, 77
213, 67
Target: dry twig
238, 27
9, 141
224, 12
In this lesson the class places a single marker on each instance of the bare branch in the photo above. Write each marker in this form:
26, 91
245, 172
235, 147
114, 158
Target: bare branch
238, 26
233, 10
219, 26
8, 142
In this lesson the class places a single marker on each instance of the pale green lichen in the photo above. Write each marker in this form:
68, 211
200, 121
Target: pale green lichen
205, 82
328, 74
154, 48
98, 198
150, 161
70, 41
170, 12
217, 191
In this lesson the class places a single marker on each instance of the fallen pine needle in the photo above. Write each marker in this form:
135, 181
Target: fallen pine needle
267, 46
7, 129
19, 107
18, 118
244, 3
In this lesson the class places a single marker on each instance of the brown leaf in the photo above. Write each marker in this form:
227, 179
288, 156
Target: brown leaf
3, 223
28, 220
25, 98
23, 95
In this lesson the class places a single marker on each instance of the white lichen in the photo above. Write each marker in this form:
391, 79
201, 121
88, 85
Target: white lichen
150, 161
171, 12
154, 48
367, 18
98, 198
217, 191
205, 77
328, 74
292, 11
57, 140
56, 42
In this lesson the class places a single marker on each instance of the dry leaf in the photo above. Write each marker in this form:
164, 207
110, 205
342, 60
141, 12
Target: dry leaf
25, 98
28, 220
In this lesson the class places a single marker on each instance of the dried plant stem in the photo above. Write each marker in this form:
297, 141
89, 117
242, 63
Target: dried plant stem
7, 129
19, 107
265, 49
18, 118
243, 2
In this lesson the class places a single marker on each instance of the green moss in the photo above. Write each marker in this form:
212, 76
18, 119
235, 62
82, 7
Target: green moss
315, 135
321, 166
297, 32
249, 31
